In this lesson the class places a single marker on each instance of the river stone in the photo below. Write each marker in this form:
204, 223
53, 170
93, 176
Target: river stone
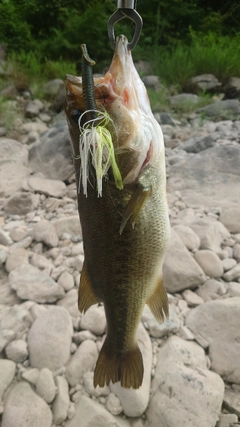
90, 389
19, 204
211, 289
49, 339
83, 360
94, 320
198, 143
230, 217
212, 233
44, 231
17, 319
158, 330
180, 270
49, 187
204, 83
222, 110
185, 393
190, 239
24, 408
113, 404
184, 99
32, 284
52, 87
45, 385
210, 263
7, 372
232, 88
69, 225
17, 351
232, 274
215, 324
16, 258
232, 401
61, 402
6, 336
134, 402
93, 414
52, 154
226, 420
14, 166
194, 173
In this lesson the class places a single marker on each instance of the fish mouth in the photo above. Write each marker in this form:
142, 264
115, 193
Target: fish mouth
114, 85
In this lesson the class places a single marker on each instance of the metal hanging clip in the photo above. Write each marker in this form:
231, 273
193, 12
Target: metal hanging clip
125, 9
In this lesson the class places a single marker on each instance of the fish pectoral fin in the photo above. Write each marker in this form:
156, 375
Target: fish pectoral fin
158, 302
86, 296
135, 205
126, 367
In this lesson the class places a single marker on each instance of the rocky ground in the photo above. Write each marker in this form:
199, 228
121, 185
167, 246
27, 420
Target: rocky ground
48, 350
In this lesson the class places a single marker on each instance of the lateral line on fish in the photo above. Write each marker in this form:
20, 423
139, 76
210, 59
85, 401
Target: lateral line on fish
96, 146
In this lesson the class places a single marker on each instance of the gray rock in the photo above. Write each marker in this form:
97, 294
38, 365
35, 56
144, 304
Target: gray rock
82, 361
185, 393
41, 262
52, 155
7, 372
49, 339
3, 254
61, 403
14, 166
6, 336
157, 330
5, 239
223, 110
52, 87
232, 88
195, 173
70, 225
190, 239
198, 143
226, 420
232, 274
17, 351
90, 389
193, 300
19, 204
93, 414
204, 83
180, 270
45, 232
230, 217
94, 320
228, 263
49, 187
31, 375
32, 284
211, 233
24, 408
231, 401
215, 324
236, 252
33, 108
152, 82
45, 385
210, 263
16, 258
113, 404
211, 289
135, 402
233, 289
184, 99
66, 280
17, 319
18, 234
70, 302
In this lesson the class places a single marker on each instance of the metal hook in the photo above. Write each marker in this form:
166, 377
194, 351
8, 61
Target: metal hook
126, 9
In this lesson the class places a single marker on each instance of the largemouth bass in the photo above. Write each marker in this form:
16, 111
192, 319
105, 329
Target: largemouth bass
125, 231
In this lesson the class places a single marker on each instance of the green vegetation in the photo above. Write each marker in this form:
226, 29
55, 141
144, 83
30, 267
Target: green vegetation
180, 39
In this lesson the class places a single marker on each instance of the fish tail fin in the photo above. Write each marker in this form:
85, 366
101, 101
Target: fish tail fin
126, 367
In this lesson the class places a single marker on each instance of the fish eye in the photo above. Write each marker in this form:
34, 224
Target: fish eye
75, 115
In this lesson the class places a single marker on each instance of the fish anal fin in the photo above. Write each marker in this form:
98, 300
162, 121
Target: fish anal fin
86, 297
126, 367
158, 302
135, 205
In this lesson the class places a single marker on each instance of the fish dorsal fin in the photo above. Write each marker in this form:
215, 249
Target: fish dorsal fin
135, 205
158, 302
126, 367
86, 296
